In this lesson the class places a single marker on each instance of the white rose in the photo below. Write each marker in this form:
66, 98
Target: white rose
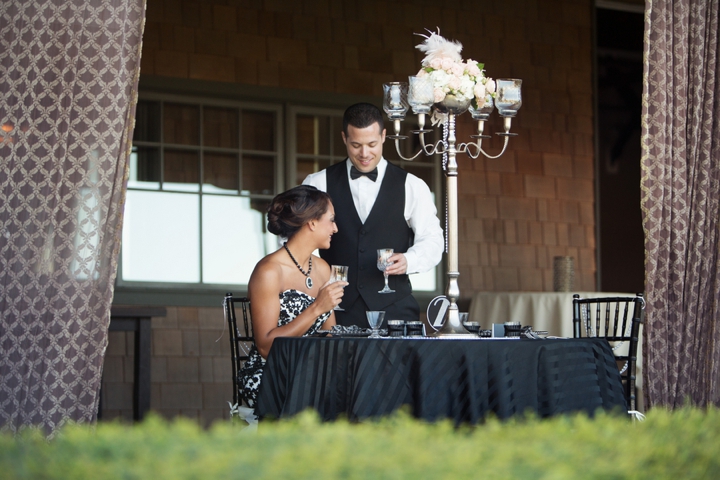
474, 70
454, 82
439, 78
467, 86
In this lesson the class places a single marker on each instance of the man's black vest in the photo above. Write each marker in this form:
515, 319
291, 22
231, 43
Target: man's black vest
355, 244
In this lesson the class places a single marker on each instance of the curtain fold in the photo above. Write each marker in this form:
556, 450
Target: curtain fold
69, 71
680, 193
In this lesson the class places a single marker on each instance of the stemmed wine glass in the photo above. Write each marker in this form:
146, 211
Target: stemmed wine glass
383, 257
375, 320
338, 273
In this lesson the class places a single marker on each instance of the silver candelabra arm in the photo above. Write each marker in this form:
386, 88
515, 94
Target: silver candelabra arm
477, 145
428, 150
472, 149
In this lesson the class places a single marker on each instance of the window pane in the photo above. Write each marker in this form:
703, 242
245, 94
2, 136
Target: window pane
147, 122
182, 171
323, 135
181, 124
221, 173
220, 127
313, 134
258, 174
306, 167
161, 237
305, 134
144, 168
232, 248
258, 131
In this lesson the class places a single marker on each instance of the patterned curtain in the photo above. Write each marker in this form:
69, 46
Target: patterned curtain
68, 87
680, 193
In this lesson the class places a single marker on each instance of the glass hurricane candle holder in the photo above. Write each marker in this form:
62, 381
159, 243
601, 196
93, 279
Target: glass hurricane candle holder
395, 102
420, 94
482, 113
508, 97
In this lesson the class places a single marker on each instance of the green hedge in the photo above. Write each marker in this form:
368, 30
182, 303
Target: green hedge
681, 444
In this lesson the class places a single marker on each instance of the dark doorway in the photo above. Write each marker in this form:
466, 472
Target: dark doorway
621, 248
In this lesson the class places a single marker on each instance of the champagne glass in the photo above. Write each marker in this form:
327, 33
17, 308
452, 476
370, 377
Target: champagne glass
375, 320
383, 257
338, 273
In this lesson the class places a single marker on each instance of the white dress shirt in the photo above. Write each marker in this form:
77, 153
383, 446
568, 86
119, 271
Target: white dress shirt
420, 213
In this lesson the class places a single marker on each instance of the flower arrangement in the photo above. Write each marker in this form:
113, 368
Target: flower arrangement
450, 75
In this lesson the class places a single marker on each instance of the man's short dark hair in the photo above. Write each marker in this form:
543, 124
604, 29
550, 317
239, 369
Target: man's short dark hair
362, 115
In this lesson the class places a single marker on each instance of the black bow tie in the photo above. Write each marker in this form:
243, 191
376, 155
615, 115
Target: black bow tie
355, 173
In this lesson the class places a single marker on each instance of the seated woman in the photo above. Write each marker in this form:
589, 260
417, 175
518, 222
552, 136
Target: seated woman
289, 291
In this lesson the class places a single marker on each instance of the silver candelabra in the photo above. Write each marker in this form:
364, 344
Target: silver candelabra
418, 93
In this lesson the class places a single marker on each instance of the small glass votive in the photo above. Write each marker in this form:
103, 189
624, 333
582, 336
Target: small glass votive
396, 328
414, 328
472, 327
512, 329
508, 98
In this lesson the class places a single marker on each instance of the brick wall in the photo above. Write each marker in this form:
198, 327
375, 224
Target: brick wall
191, 373
517, 212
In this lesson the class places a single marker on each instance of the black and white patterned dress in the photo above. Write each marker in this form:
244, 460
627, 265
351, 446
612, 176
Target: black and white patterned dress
292, 304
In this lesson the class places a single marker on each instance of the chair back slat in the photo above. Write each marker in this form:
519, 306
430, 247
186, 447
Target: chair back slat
239, 341
611, 319
628, 315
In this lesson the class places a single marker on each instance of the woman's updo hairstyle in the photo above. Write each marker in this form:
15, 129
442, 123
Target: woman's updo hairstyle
292, 209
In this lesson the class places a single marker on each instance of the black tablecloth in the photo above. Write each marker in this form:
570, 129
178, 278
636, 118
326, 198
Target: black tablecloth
460, 379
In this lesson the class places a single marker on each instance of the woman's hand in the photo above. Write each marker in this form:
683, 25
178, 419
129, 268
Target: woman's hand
330, 295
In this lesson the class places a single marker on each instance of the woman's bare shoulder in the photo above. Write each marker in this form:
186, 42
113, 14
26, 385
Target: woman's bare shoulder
269, 270
322, 265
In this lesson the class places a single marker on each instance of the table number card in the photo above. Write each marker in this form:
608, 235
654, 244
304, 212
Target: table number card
436, 311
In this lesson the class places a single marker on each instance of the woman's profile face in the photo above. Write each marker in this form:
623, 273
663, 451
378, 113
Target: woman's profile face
326, 227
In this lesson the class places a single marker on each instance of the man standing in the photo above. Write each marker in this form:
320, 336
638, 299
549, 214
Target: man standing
377, 205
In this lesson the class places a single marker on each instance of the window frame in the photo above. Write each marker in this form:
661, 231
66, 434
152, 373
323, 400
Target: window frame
280, 174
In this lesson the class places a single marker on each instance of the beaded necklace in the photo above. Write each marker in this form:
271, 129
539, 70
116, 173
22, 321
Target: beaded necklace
308, 280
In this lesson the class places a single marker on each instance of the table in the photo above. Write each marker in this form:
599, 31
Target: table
464, 380
137, 319
548, 311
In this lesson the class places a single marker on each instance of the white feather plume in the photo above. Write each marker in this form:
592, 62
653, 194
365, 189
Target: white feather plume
436, 46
